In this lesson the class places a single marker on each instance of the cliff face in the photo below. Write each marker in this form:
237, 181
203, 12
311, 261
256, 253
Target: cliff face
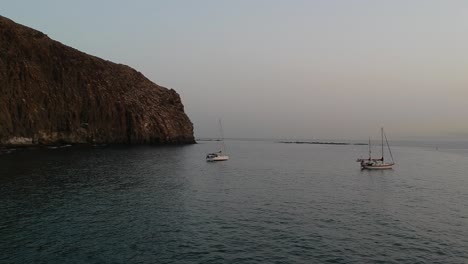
53, 94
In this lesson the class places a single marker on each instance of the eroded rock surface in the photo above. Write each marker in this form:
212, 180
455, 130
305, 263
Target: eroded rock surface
53, 94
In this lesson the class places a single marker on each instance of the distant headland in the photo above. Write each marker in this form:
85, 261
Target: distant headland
52, 94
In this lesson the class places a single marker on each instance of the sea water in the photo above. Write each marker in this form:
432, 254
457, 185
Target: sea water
270, 203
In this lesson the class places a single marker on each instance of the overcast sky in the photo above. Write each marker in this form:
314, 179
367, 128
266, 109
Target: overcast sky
326, 69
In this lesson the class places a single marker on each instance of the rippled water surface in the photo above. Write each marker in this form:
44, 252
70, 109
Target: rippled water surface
270, 203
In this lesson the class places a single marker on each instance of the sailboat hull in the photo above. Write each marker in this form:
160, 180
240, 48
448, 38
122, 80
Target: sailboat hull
377, 167
218, 158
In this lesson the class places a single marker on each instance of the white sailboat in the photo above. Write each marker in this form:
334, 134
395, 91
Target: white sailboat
220, 155
377, 164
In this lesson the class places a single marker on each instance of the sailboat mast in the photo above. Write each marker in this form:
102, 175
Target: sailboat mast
223, 147
381, 132
370, 156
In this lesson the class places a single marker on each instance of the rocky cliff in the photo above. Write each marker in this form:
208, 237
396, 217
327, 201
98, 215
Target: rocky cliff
53, 94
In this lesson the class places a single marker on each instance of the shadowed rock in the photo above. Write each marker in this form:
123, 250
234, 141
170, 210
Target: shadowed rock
53, 94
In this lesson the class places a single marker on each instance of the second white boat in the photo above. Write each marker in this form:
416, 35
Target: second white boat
377, 164
220, 155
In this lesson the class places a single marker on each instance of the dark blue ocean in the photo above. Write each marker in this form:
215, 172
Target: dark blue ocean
270, 203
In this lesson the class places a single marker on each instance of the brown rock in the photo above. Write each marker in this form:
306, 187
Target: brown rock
52, 94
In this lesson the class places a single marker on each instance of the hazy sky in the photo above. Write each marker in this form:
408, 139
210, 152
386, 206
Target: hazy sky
330, 69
